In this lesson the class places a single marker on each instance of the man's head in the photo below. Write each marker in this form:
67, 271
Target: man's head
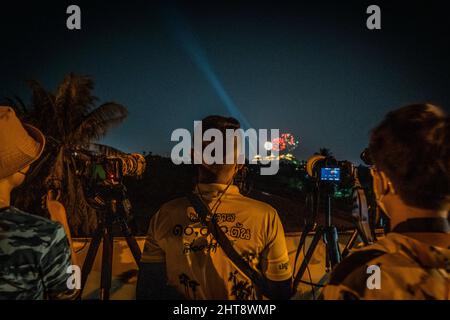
410, 149
225, 171
20, 145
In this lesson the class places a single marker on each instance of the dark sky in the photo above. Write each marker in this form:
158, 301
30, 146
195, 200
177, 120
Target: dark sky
312, 70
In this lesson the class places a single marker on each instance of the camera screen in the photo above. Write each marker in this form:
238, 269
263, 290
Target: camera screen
330, 174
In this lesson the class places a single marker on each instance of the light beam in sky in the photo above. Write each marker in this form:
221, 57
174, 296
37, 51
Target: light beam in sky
189, 43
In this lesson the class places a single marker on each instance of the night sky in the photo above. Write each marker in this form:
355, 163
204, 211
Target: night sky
312, 70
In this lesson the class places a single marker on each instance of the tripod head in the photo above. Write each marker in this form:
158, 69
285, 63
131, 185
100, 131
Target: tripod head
109, 197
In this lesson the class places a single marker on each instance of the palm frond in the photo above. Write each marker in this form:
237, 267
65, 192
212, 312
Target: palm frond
21, 104
96, 124
42, 112
73, 100
67, 118
325, 152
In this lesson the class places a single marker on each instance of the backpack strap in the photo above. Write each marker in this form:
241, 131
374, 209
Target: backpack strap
203, 212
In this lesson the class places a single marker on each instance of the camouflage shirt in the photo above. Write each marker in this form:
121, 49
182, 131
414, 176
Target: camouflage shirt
34, 256
408, 267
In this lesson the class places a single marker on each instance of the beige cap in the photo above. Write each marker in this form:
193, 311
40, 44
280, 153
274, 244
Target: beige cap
20, 144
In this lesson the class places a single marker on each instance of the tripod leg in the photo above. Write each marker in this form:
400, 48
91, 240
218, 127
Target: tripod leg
308, 256
131, 241
350, 243
332, 244
90, 257
302, 241
105, 282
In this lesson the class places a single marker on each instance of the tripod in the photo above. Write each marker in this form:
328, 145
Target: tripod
113, 215
361, 214
328, 233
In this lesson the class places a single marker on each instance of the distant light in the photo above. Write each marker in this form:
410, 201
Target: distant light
268, 145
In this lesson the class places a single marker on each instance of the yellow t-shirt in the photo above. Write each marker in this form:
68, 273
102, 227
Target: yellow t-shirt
196, 265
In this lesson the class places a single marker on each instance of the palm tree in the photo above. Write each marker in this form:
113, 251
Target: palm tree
240, 289
69, 119
325, 152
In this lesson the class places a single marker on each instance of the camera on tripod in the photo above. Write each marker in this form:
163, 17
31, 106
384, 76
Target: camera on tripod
333, 177
348, 186
102, 176
332, 180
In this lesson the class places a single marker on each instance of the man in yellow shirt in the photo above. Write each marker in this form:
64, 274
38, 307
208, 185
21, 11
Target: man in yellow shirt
183, 259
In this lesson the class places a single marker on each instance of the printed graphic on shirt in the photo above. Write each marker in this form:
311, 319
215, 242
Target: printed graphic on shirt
241, 289
190, 286
196, 237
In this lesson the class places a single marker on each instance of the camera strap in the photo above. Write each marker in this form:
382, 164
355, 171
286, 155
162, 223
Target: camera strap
203, 212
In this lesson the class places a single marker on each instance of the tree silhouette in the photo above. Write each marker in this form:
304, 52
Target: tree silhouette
325, 152
69, 119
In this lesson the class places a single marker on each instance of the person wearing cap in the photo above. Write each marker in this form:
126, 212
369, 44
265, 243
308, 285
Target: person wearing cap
410, 155
34, 251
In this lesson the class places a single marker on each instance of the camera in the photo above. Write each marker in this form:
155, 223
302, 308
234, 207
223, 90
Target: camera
326, 171
104, 168
102, 174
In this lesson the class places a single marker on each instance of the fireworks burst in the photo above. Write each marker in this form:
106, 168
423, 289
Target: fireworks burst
285, 143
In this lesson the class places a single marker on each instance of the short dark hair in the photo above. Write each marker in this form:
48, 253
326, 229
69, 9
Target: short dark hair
412, 146
220, 122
